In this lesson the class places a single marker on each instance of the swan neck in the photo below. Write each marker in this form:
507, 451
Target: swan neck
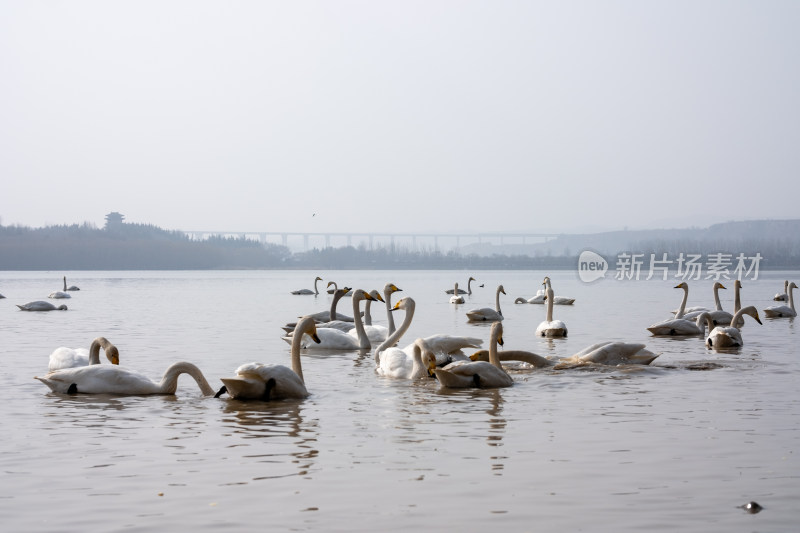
716, 298
469, 286
336, 297
368, 313
790, 294
497, 302
94, 350
387, 297
737, 302
550, 304
363, 340
392, 339
494, 359
316, 291
65, 283
169, 383
297, 341
682, 309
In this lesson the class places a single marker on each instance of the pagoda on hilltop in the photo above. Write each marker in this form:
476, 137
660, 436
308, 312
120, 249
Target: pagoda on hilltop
114, 220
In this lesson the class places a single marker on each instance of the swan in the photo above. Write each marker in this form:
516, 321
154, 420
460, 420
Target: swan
718, 315
550, 327
309, 291
731, 336
70, 358
41, 305
335, 339
783, 311
456, 298
487, 313
443, 346
59, 294
610, 353
541, 297
462, 291
327, 316
256, 381
388, 290
336, 288
396, 363
779, 297
376, 333
71, 287
681, 326
113, 379
481, 374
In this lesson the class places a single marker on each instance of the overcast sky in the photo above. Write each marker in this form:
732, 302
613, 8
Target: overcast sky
399, 116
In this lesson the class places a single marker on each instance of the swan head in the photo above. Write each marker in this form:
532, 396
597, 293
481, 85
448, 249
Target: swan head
318, 278
546, 280
737, 284
113, 355
792, 285
376, 295
390, 288
753, 312
471, 279
404, 303
682, 285
497, 332
329, 283
308, 326
501, 289
61, 307
520, 300
361, 294
719, 285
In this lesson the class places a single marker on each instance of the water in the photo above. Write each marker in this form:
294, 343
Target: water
675, 446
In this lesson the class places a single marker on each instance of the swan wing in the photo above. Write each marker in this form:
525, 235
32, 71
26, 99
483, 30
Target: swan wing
64, 357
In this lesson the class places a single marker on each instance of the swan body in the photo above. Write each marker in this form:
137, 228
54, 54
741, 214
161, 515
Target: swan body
113, 379
487, 313
309, 291
335, 339
611, 353
41, 305
398, 364
256, 381
71, 287
731, 336
462, 291
779, 297
541, 298
456, 298
59, 294
550, 327
783, 311
681, 326
63, 357
480, 374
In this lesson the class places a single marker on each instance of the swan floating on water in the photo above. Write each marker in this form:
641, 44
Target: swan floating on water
783, 311
309, 291
550, 327
480, 374
462, 291
611, 353
731, 336
113, 379
71, 287
719, 316
41, 305
456, 298
782, 296
336, 339
63, 357
487, 313
256, 381
59, 294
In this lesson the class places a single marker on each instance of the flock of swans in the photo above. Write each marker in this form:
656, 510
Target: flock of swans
439, 356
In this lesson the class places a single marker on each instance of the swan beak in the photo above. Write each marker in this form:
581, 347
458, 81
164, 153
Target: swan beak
380, 298
500, 340
394, 288
114, 357
721, 286
315, 337
758, 319
431, 366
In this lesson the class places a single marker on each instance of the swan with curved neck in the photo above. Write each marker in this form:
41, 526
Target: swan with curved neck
480, 374
113, 379
63, 357
376, 333
783, 311
550, 327
610, 353
487, 313
256, 381
315, 292
336, 339
41, 305
718, 315
462, 291
71, 287
730, 336
443, 346
456, 298
396, 363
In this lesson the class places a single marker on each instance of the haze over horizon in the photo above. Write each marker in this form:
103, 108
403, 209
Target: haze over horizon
445, 116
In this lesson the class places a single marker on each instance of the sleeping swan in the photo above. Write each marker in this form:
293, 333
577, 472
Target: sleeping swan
41, 305
256, 381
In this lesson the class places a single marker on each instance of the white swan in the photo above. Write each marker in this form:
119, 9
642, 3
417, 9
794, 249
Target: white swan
376, 333
335, 339
444, 347
463, 374
336, 288
63, 357
681, 326
456, 298
41, 305
487, 313
113, 379
309, 291
782, 296
462, 291
59, 294
610, 353
731, 336
550, 327
396, 363
718, 315
71, 287
256, 381
783, 311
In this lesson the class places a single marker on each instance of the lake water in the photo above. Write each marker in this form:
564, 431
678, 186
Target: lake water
676, 446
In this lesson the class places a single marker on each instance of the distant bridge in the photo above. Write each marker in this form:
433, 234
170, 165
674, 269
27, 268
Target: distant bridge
415, 241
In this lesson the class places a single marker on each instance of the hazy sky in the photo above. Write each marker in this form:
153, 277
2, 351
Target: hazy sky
399, 116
